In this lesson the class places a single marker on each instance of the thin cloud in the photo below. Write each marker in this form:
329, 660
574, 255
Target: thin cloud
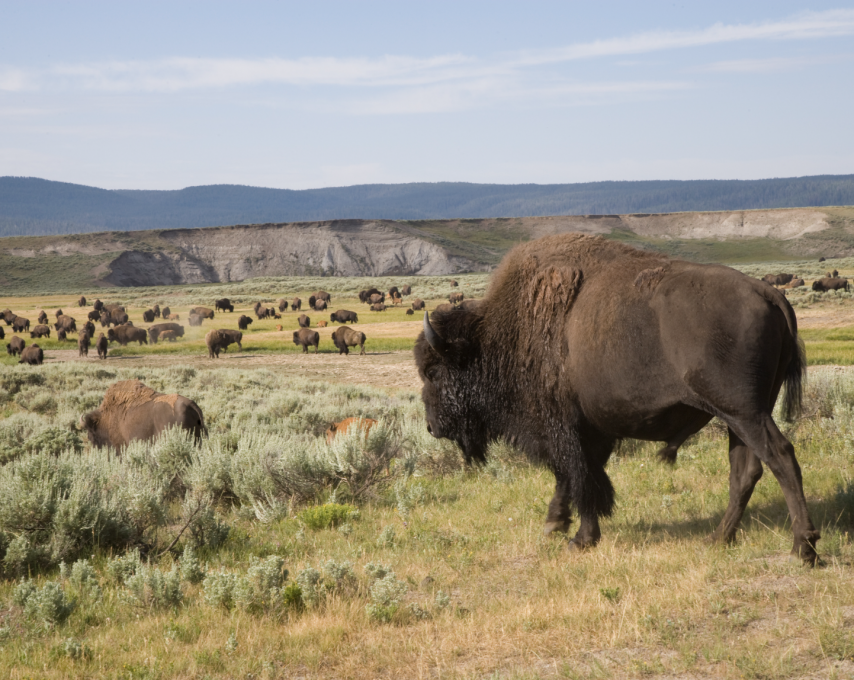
779, 64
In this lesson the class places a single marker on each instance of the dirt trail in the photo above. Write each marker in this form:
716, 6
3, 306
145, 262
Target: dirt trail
380, 369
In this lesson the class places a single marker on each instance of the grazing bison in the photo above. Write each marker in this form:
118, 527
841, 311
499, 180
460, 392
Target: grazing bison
203, 312
795, 283
40, 331
283, 304
2, 333
345, 337
224, 304
377, 298
170, 336
344, 316
243, 322
296, 304
262, 312
834, 274
365, 295
125, 334
66, 323
319, 305
105, 319
825, 284
15, 345
89, 328
378, 307
166, 313
218, 341
418, 304
195, 320
20, 324
42, 317
131, 410
8, 316
83, 344
304, 321
103, 346
364, 424
306, 337
32, 355
81, 302
323, 295
456, 298
94, 315
98, 305
148, 316
278, 327
409, 312
612, 343
778, 279
156, 310
406, 290
155, 331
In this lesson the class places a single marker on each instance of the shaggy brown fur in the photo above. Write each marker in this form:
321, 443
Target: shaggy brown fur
345, 337
306, 337
32, 355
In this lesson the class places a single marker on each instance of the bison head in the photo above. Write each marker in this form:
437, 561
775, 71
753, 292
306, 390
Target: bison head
449, 363
90, 424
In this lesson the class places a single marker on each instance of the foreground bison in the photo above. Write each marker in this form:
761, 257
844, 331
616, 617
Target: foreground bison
20, 324
218, 341
83, 344
131, 410
345, 337
306, 337
616, 343
32, 355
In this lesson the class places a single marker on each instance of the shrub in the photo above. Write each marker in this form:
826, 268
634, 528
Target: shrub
219, 589
191, 568
308, 581
48, 603
152, 588
387, 593
121, 568
326, 516
387, 536
260, 589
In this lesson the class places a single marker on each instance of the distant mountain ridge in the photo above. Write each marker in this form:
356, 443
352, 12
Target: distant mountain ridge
31, 206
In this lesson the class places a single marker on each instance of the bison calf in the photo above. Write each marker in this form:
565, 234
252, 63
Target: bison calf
306, 337
364, 424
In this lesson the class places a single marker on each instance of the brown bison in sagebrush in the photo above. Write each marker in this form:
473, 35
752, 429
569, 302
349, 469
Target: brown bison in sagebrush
323, 295
345, 337
778, 279
406, 290
830, 283
364, 424
224, 304
32, 355
617, 343
365, 295
40, 331
42, 317
306, 337
131, 410
456, 298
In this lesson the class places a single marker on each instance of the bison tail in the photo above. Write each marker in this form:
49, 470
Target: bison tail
796, 372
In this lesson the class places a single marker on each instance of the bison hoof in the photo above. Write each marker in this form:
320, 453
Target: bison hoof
804, 550
576, 545
561, 527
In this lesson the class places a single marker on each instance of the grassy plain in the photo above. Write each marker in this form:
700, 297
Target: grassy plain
476, 590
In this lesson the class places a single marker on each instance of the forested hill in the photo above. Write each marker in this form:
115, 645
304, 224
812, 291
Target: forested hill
32, 206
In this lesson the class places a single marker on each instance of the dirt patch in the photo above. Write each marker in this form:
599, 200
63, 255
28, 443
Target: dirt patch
395, 370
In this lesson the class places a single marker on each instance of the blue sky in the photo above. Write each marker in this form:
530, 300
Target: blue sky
297, 95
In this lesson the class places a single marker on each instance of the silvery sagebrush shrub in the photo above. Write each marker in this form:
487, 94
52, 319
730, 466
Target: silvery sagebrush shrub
387, 536
49, 604
74, 649
442, 600
387, 594
191, 569
261, 588
151, 587
309, 581
219, 588
124, 566
82, 577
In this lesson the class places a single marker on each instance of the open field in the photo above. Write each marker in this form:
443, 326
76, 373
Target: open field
264, 552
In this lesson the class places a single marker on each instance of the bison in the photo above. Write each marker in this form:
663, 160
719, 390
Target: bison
32, 355
454, 283
125, 334
148, 316
8, 316
319, 305
406, 290
304, 321
320, 324
81, 302
103, 346
156, 310
20, 324
364, 424
344, 316
66, 323
377, 298
61, 336
89, 328
378, 307
155, 331
323, 295
83, 344
365, 295
283, 305
394, 290
166, 313
97, 305
396, 299
131, 411
58, 313
778, 279
243, 322
444, 307
418, 304
203, 312
218, 341
825, 284
15, 345
795, 283
469, 304
40, 331
94, 315
2, 333
613, 343
224, 304
172, 317
409, 312
345, 337
456, 298
42, 317
296, 304
312, 300
170, 336
306, 337
195, 320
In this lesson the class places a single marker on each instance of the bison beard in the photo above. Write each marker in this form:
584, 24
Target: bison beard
609, 342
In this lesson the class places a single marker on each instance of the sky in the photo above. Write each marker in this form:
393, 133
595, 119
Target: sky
165, 95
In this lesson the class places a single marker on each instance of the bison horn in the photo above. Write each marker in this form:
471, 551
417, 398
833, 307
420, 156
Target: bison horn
433, 338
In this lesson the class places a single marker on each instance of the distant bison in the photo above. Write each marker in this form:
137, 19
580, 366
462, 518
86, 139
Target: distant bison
40, 331
456, 298
394, 290
32, 355
312, 301
320, 305
418, 304
377, 297
94, 315
378, 307
396, 299
97, 305
166, 312
778, 279
148, 316
81, 302
454, 284
224, 304
795, 283
306, 337
89, 328
133, 411
296, 304
170, 336
243, 322
83, 345
406, 290
19, 324
203, 312
365, 295
61, 336
125, 334
66, 323
218, 340
283, 304
364, 424
103, 346
469, 305
262, 312
344, 316
15, 345
58, 313
155, 331
278, 326
825, 284
172, 317
2, 333
195, 320
323, 295
156, 310
8, 316
409, 312
345, 337
42, 317
320, 324
304, 321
